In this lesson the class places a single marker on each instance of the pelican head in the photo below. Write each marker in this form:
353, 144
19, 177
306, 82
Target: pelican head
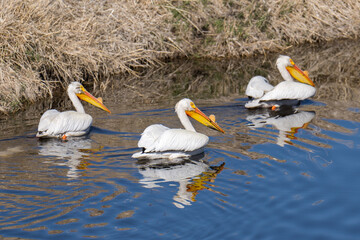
80, 91
290, 71
188, 106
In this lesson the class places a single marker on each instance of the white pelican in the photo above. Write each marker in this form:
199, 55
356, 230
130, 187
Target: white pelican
69, 123
158, 141
286, 90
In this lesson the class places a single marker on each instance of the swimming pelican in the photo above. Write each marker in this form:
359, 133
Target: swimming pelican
288, 90
158, 141
69, 123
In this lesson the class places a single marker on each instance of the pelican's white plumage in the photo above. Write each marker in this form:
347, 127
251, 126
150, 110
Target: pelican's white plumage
69, 123
257, 87
301, 89
171, 139
289, 90
158, 141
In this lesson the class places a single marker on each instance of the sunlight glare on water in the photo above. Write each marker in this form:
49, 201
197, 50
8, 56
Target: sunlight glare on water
288, 174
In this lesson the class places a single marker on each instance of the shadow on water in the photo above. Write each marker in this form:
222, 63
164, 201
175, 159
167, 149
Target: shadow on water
285, 174
192, 175
72, 154
288, 120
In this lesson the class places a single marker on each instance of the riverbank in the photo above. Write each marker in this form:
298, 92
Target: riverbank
46, 44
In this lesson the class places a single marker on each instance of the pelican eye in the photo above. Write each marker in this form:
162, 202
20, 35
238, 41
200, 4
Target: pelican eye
292, 62
192, 105
82, 89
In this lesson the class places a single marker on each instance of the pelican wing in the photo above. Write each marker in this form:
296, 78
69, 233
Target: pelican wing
46, 119
69, 121
257, 87
178, 140
289, 90
151, 134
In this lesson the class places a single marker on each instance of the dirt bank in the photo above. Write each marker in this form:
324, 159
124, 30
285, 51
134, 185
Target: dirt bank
47, 43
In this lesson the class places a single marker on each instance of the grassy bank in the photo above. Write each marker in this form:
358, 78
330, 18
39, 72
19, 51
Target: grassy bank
47, 43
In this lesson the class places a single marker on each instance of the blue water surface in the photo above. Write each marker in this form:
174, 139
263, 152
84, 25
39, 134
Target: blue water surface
298, 179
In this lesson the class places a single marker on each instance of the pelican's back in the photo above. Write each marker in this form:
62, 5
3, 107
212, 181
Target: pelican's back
151, 134
257, 87
54, 123
46, 119
178, 140
290, 90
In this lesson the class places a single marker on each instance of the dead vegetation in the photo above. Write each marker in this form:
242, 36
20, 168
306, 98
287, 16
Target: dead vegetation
47, 43
332, 66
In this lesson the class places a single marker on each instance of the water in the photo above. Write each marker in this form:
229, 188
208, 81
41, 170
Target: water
270, 176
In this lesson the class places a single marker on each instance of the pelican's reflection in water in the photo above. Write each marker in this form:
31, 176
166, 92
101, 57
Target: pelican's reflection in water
287, 120
192, 174
72, 153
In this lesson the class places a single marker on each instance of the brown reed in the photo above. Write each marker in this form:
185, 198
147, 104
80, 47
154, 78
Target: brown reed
45, 44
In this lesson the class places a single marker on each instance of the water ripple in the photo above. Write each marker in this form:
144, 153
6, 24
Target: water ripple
273, 175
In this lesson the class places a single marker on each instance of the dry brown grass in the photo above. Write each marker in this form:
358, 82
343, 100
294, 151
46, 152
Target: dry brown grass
237, 28
334, 67
47, 43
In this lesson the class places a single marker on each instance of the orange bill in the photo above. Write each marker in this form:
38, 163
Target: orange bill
203, 119
299, 75
87, 97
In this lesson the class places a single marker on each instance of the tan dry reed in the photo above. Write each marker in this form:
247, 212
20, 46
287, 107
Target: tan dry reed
44, 43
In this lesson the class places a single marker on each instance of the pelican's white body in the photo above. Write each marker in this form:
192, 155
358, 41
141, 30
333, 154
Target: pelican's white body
158, 138
55, 124
159, 141
288, 89
71, 123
